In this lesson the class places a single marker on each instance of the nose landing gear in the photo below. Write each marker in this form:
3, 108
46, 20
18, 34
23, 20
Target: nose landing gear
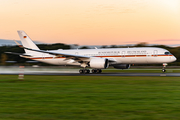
163, 70
164, 65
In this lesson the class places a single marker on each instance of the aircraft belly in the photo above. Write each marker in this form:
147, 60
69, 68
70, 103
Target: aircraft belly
159, 59
144, 60
133, 60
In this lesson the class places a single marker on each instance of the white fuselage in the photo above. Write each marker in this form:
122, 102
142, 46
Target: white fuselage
141, 55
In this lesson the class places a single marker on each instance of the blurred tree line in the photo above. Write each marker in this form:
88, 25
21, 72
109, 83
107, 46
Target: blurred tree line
19, 60
5, 59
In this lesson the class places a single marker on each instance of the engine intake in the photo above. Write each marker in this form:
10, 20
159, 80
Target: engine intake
121, 66
99, 63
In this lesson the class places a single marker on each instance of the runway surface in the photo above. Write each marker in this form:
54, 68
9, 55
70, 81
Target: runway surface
75, 72
102, 74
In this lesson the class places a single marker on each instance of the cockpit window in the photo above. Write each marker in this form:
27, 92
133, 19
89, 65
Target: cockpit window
167, 53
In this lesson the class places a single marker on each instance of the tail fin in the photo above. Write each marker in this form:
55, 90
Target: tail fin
27, 42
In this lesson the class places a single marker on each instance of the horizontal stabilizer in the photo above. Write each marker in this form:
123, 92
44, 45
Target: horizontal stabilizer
18, 43
18, 54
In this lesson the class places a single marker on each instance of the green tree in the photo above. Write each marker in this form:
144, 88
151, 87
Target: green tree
84, 47
3, 59
142, 44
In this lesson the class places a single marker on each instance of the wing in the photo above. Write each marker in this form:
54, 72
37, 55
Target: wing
57, 54
78, 58
69, 56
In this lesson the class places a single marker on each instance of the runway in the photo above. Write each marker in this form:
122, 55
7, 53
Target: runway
102, 74
75, 72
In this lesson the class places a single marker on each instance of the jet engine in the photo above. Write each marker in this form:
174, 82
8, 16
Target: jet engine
121, 66
99, 63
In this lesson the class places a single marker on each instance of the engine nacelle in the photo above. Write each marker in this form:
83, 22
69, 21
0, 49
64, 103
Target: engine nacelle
99, 63
121, 66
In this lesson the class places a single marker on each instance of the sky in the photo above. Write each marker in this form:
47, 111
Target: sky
92, 22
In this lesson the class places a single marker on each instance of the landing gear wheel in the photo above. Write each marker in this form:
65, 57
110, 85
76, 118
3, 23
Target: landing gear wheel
85, 71
94, 71
163, 70
99, 71
81, 71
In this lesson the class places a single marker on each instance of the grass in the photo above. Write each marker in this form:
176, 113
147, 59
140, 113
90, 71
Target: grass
92, 97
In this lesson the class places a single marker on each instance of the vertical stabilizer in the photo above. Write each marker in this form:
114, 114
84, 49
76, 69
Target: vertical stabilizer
27, 42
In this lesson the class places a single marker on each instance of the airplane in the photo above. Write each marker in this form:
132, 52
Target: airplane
97, 59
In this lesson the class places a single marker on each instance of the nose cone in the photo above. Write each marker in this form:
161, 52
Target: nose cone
173, 58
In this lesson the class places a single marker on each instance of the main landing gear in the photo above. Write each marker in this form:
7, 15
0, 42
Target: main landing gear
86, 71
96, 71
163, 69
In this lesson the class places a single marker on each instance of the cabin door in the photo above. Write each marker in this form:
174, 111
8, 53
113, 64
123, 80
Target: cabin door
155, 54
123, 54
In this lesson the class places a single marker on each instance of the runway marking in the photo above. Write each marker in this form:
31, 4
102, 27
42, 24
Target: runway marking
162, 74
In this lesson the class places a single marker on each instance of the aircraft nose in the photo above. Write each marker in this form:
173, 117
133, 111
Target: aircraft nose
173, 58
